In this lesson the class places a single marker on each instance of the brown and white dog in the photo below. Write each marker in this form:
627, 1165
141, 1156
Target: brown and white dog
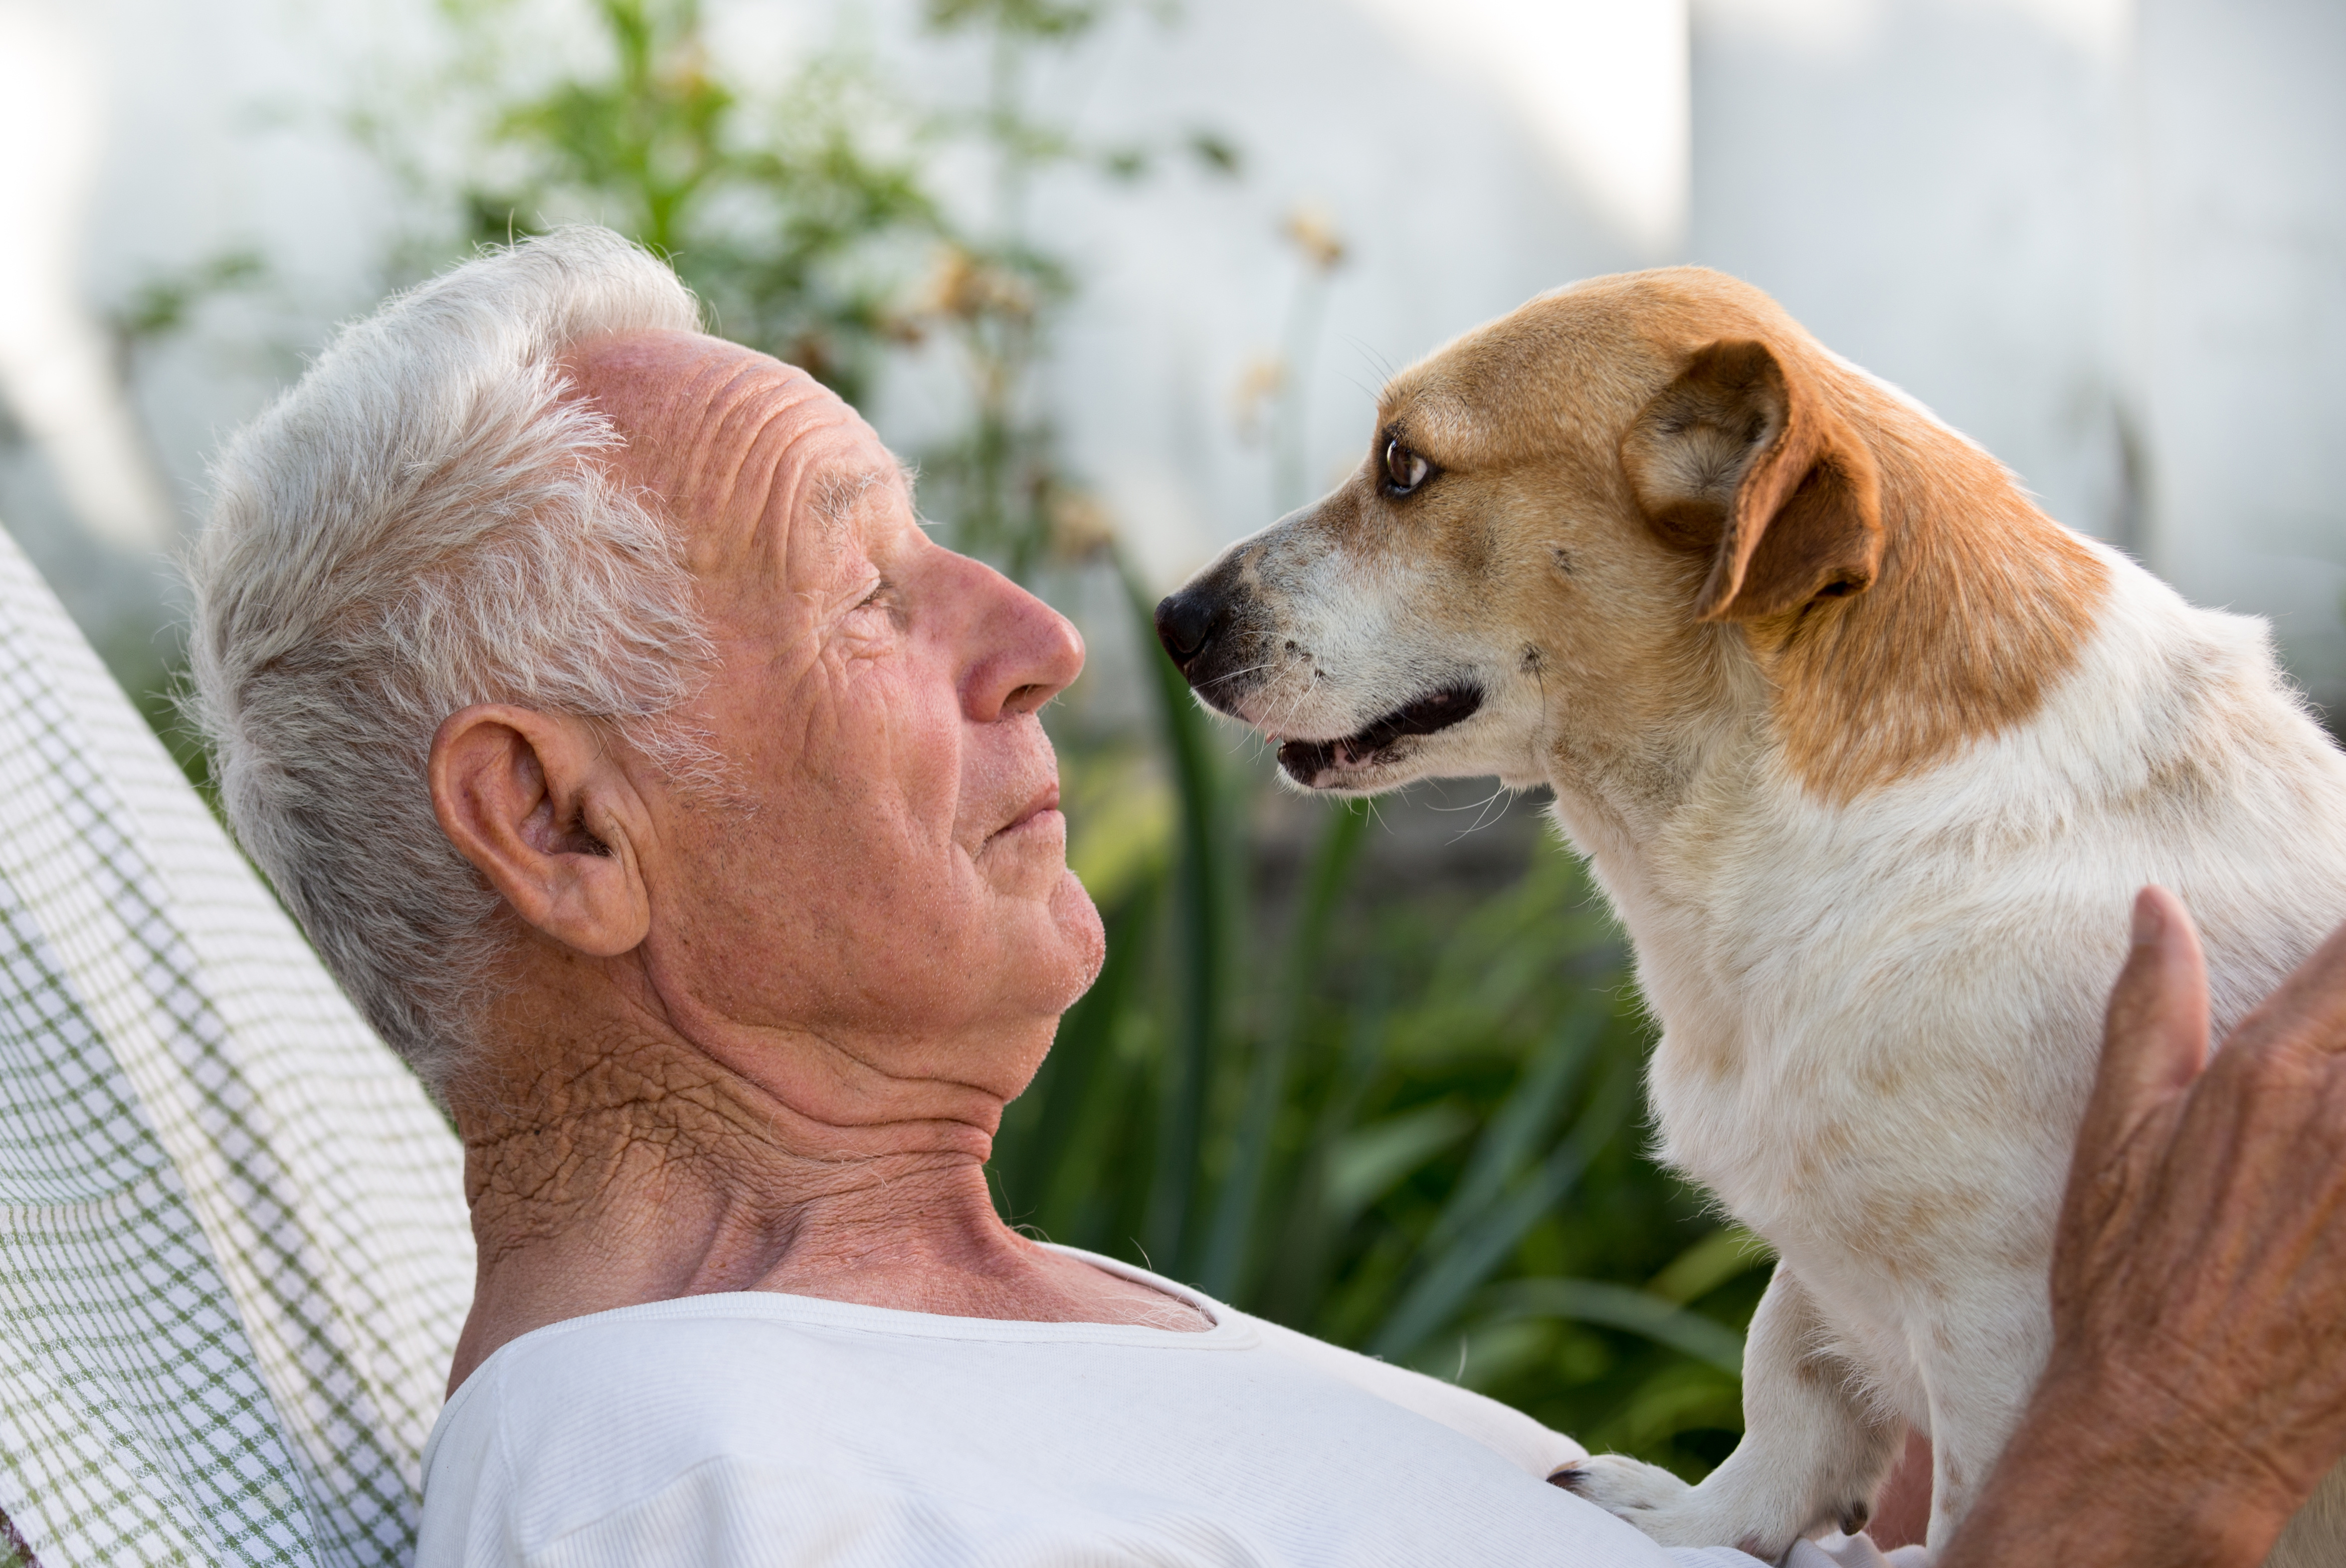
1870, 755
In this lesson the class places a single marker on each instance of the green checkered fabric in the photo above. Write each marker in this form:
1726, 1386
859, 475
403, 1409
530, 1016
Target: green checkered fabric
233, 1250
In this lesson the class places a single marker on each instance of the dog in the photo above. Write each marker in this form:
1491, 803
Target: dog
1869, 757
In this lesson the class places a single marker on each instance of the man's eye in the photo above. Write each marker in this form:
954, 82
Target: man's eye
1404, 470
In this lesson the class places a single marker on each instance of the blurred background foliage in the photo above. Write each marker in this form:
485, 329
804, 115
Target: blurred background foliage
1390, 1099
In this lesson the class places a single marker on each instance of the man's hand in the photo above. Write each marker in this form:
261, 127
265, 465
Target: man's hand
2196, 1389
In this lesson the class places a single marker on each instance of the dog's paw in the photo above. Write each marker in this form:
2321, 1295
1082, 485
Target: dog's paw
1627, 1489
1677, 1514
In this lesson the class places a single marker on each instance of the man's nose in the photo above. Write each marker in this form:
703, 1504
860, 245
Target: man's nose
1186, 623
1023, 653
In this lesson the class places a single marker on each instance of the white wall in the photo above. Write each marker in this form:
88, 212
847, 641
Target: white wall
1459, 193
214, 134
2107, 237
2240, 329
1935, 189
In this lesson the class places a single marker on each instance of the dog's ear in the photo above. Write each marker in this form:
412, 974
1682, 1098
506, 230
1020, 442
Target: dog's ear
1739, 458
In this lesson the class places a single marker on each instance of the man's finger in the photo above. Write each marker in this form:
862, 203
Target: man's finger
2154, 1036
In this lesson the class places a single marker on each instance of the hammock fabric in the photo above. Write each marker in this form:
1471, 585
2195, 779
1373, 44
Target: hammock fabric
233, 1250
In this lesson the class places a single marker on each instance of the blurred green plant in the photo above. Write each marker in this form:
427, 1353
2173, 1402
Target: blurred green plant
1409, 1123
800, 214
165, 303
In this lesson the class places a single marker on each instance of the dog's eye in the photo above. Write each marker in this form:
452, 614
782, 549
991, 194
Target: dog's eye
1404, 470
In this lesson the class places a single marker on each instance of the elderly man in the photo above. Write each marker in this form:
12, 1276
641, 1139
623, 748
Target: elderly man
681, 810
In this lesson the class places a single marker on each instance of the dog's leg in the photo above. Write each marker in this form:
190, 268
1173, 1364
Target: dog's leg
1814, 1452
1979, 1387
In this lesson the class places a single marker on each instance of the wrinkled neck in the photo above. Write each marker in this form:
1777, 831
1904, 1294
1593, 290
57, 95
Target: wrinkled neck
611, 1172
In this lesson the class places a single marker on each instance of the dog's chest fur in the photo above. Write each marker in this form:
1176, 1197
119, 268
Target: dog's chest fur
1880, 1018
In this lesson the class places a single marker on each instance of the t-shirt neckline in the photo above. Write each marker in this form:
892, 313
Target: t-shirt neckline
1225, 1324
1227, 1330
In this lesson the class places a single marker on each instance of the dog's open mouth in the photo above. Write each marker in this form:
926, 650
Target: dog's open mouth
1307, 760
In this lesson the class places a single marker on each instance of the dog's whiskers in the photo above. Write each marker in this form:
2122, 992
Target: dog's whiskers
1233, 674
1479, 808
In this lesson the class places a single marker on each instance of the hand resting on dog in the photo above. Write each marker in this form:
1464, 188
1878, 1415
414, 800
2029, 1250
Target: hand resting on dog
2196, 1389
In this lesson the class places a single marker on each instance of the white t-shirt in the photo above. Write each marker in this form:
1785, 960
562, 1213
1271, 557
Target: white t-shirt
757, 1428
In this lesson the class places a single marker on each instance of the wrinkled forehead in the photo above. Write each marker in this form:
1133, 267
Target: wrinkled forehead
763, 469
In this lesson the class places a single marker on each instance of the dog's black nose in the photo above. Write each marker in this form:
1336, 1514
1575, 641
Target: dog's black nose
1186, 623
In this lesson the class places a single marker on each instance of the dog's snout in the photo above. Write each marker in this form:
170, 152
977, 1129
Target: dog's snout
1186, 623
1212, 628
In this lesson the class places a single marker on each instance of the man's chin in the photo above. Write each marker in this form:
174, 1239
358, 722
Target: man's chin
1082, 943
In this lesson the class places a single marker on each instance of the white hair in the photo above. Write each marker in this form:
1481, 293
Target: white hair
422, 522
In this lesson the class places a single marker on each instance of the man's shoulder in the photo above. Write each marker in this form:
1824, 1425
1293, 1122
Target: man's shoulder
672, 1373
605, 1417
1505, 1429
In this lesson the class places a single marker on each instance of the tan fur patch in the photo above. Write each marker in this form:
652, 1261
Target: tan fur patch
1981, 606
1898, 590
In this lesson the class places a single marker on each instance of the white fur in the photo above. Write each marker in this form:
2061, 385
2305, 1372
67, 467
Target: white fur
1881, 1019
1905, 994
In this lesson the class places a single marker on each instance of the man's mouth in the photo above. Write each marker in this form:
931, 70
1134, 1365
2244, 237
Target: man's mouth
1045, 799
1306, 760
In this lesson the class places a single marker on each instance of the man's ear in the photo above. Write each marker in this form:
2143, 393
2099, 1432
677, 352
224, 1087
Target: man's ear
538, 804
1740, 458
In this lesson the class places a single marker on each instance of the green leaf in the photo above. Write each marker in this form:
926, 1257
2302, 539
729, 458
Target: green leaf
1486, 1241
1217, 153
1236, 1213
1725, 1254
1368, 1163
1202, 921
1525, 1118
1611, 1306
